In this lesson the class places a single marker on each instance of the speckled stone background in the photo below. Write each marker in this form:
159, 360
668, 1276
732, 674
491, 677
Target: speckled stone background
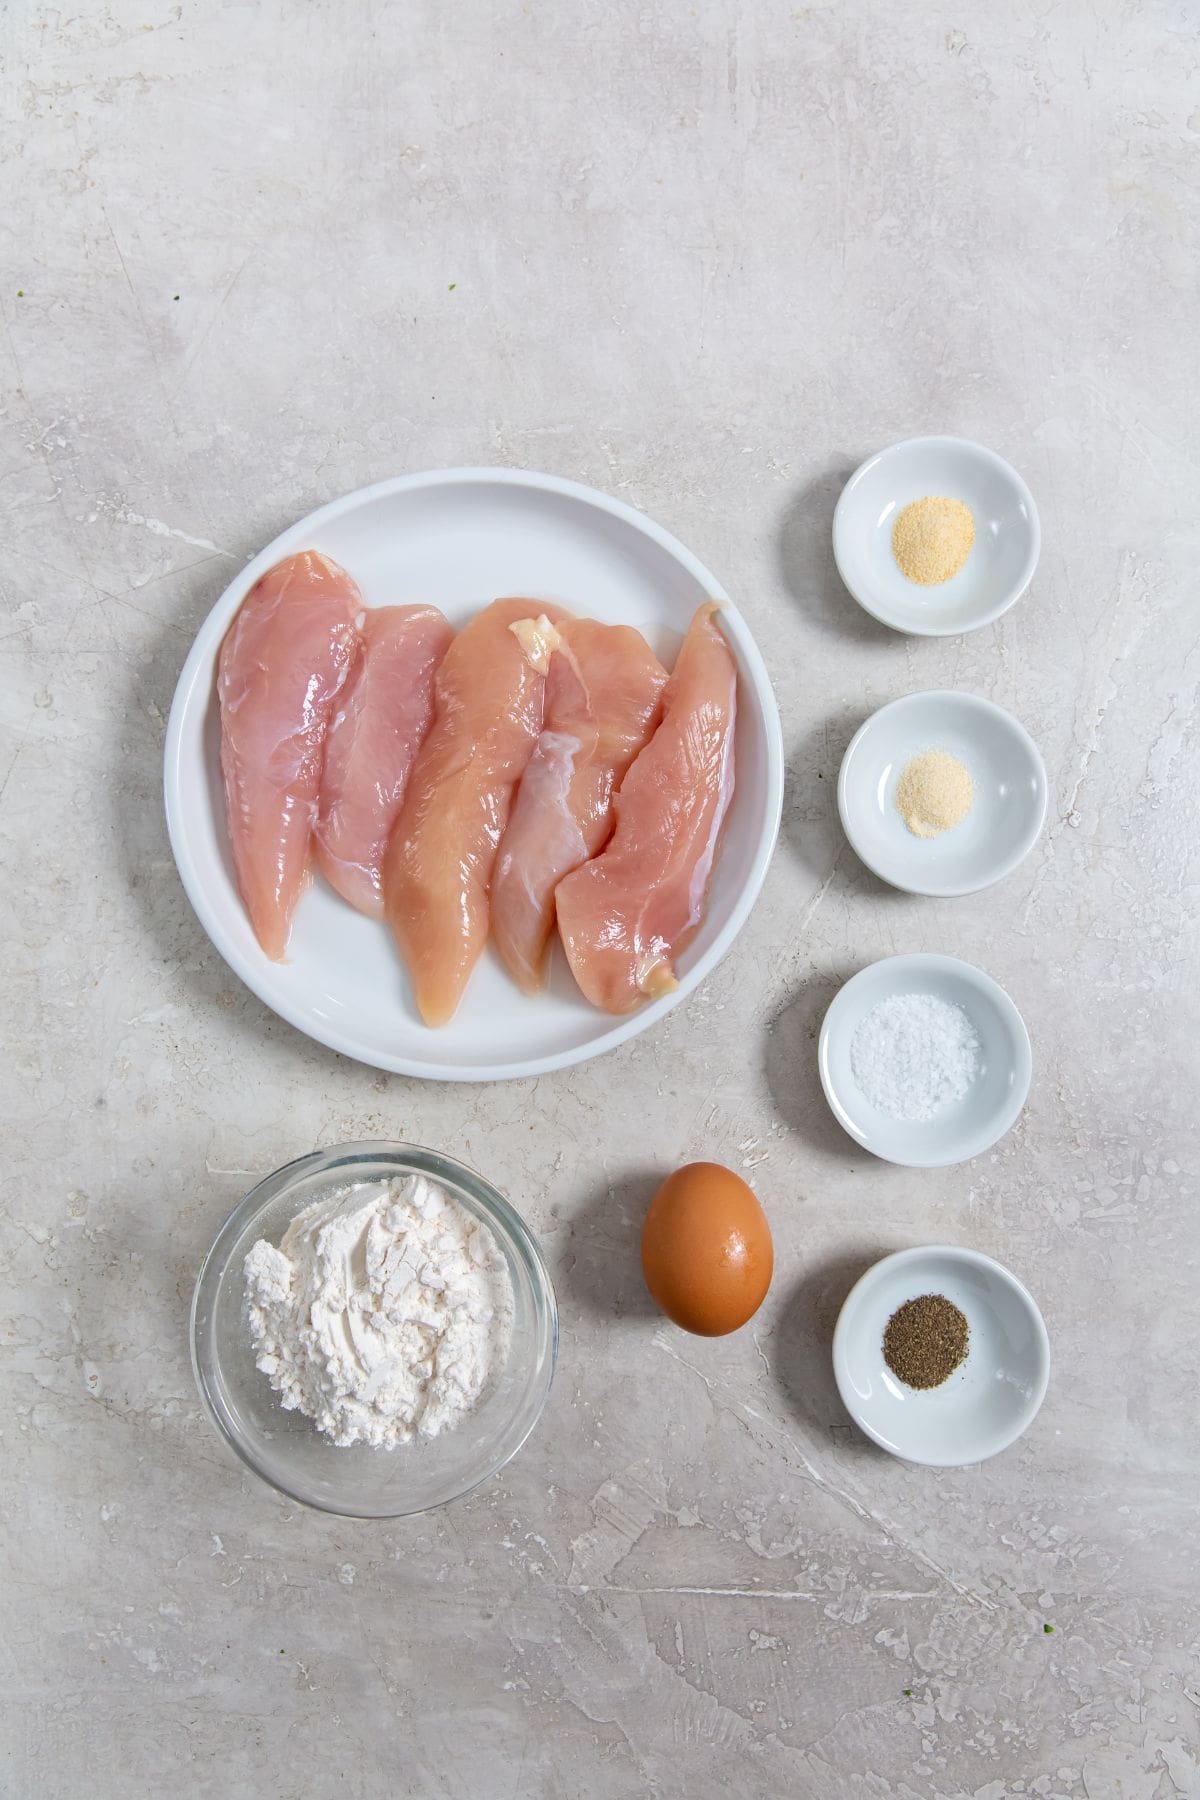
706, 258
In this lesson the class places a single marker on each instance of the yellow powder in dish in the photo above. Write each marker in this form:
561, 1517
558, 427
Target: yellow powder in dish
934, 793
932, 538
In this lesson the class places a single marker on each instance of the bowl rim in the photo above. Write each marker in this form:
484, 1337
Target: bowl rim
960, 446
997, 871
194, 686
999, 1274
418, 1158
933, 962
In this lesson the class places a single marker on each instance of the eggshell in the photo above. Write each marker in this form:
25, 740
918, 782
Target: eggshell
706, 1250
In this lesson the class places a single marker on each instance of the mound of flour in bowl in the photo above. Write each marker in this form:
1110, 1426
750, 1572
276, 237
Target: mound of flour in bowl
383, 1314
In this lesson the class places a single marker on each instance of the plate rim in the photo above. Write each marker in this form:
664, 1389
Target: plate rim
198, 664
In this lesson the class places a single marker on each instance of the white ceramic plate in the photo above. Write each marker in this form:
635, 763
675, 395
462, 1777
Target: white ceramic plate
993, 1395
963, 1128
1008, 804
1003, 556
460, 538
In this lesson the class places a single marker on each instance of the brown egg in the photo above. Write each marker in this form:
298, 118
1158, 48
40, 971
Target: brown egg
706, 1250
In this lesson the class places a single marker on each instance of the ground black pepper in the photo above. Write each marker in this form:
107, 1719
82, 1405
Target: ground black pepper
925, 1340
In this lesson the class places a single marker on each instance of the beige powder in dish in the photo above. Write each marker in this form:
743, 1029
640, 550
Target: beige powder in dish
934, 793
932, 539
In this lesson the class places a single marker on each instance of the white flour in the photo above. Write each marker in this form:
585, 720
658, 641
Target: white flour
913, 1054
384, 1313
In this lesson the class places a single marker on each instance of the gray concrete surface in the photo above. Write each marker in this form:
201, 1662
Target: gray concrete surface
705, 257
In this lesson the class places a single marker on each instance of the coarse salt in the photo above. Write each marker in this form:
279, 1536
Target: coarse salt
914, 1054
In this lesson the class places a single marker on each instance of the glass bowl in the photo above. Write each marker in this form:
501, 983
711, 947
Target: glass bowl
285, 1448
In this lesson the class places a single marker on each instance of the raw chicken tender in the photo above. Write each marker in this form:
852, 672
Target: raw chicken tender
385, 712
438, 868
625, 916
281, 668
603, 694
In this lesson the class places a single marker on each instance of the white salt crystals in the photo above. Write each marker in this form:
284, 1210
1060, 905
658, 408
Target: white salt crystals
913, 1054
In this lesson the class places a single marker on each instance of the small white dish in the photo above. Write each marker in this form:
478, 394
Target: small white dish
993, 1395
962, 1128
1008, 805
459, 538
1003, 557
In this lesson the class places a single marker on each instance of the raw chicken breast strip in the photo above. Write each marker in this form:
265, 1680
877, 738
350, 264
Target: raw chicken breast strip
438, 868
279, 673
385, 713
603, 693
625, 917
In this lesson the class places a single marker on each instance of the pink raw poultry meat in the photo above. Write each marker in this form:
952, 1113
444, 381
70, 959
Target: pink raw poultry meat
385, 712
625, 916
280, 671
438, 868
603, 693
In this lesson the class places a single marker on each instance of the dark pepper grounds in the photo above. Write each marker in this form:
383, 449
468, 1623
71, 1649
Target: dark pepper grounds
925, 1340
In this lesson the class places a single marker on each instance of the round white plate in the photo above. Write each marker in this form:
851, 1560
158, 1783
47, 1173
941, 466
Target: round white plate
1003, 556
1008, 804
460, 538
963, 1128
993, 1395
